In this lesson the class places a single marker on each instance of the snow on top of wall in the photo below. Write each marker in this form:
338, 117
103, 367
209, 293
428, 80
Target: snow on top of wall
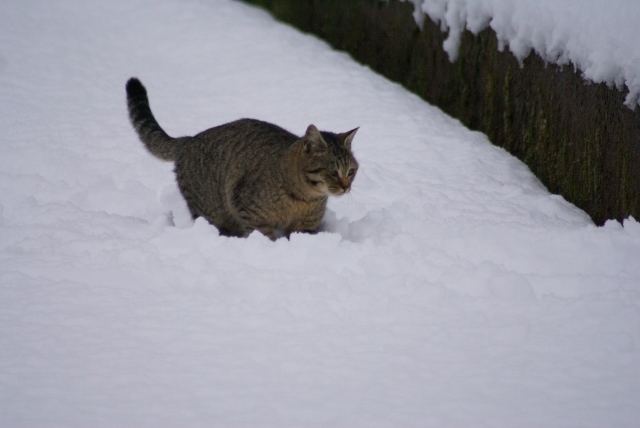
600, 38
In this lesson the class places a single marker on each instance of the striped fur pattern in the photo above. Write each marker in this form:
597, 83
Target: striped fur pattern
251, 175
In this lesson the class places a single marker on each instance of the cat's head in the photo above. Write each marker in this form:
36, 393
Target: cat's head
328, 164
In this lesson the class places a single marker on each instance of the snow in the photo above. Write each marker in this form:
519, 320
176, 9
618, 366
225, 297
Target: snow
598, 37
448, 289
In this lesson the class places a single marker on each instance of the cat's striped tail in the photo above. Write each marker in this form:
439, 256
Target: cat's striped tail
151, 134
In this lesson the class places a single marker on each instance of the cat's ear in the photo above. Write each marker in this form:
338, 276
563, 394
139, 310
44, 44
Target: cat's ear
313, 142
348, 136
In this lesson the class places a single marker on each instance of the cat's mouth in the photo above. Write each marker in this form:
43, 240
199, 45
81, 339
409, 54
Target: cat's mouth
333, 189
338, 191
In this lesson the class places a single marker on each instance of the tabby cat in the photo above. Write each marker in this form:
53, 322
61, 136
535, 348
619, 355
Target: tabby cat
248, 174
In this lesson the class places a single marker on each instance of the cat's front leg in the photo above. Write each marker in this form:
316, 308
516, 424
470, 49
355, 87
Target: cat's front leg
303, 226
268, 231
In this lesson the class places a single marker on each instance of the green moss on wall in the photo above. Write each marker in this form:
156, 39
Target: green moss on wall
578, 138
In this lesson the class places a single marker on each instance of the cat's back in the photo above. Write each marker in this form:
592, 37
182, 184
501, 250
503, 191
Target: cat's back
248, 134
217, 163
225, 154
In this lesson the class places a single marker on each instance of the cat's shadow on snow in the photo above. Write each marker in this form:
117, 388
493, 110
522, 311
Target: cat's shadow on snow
343, 227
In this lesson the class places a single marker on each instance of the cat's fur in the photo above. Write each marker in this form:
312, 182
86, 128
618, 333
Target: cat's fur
248, 174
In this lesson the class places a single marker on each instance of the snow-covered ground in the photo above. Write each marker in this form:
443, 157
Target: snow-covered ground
601, 38
450, 289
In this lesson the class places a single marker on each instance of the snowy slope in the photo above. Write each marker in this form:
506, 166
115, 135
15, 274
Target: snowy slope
598, 37
448, 289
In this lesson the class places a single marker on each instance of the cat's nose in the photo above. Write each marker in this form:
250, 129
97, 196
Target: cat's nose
345, 184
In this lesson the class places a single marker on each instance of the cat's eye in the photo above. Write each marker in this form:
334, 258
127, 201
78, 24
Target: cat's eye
351, 172
334, 174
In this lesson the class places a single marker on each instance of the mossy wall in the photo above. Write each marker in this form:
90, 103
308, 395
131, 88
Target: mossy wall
578, 138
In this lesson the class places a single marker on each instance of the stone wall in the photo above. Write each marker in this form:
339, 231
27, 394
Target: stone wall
578, 138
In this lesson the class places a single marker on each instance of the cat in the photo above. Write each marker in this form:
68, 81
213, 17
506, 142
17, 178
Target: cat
251, 175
